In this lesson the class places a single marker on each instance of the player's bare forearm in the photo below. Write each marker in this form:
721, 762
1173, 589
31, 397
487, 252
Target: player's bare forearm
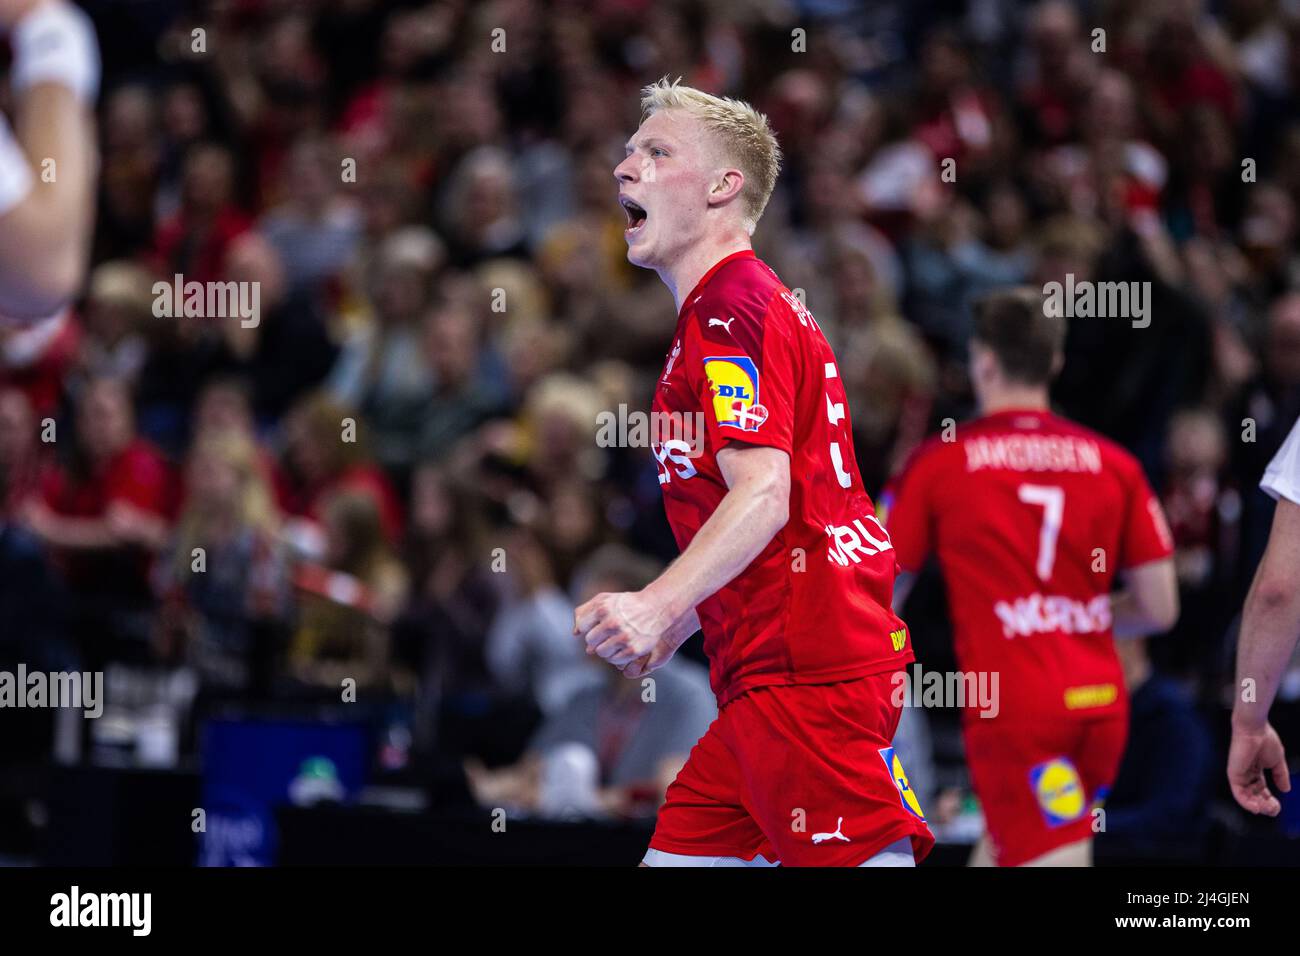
1270, 623
50, 228
682, 628
755, 508
49, 162
639, 631
53, 123
1268, 637
1148, 604
1126, 620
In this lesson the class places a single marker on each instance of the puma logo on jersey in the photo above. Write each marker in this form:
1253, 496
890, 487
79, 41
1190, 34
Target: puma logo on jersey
726, 325
837, 835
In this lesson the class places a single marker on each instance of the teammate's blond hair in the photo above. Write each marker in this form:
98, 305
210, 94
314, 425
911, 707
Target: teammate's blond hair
741, 131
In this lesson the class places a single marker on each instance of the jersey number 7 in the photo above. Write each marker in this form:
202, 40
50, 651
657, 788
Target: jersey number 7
1052, 500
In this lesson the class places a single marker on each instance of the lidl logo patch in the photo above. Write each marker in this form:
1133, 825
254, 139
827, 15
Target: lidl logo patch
1059, 791
898, 638
905, 791
733, 380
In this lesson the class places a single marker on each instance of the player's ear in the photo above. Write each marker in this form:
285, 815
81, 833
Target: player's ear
1058, 362
726, 186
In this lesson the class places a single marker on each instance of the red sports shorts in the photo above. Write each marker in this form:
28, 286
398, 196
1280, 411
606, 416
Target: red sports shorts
801, 773
1038, 781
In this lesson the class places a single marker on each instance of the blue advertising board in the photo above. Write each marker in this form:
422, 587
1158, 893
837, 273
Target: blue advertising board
253, 765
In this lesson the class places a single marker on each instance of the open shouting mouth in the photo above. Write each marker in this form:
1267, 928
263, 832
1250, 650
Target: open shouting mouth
636, 216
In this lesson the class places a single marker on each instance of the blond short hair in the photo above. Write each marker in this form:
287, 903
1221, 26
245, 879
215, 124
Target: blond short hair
742, 132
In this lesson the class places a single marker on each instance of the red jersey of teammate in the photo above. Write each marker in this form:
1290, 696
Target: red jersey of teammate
815, 606
1031, 516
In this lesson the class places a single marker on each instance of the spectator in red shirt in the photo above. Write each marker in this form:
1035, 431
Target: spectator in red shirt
19, 451
1058, 71
194, 242
323, 455
106, 511
955, 116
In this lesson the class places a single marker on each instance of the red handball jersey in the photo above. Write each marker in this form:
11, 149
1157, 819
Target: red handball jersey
1031, 516
748, 363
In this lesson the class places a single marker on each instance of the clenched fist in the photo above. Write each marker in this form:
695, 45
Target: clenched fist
631, 631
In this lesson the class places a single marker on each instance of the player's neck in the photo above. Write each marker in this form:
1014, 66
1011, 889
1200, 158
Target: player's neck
685, 274
1016, 399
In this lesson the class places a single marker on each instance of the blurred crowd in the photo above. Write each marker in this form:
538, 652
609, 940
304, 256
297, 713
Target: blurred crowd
393, 477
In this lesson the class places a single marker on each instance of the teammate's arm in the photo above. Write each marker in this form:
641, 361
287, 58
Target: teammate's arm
623, 628
1270, 626
45, 223
1148, 603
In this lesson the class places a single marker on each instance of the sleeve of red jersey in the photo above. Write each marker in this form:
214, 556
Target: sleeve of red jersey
904, 509
1146, 532
744, 367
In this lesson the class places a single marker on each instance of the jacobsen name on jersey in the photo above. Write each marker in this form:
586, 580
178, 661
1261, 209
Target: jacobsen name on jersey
815, 605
